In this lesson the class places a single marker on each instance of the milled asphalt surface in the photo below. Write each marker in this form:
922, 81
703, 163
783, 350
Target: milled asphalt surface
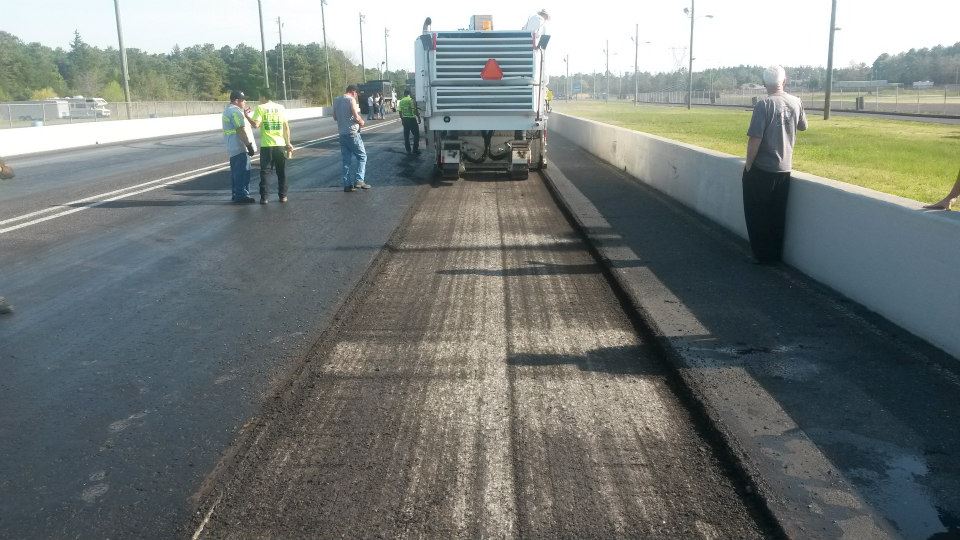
484, 381
847, 422
148, 330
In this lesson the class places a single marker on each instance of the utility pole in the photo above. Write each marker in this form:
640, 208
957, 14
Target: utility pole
326, 54
123, 59
283, 67
386, 50
607, 74
363, 68
829, 89
690, 68
263, 46
568, 85
636, 65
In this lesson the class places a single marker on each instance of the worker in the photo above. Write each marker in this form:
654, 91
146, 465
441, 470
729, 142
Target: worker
240, 147
275, 143
549, 98
410, 117
536, 24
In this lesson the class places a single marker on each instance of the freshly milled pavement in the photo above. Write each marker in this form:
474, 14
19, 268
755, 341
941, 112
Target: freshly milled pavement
483, 381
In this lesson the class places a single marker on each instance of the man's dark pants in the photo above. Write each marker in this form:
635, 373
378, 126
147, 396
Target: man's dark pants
240, 176
765, 209
410, 126
277, 157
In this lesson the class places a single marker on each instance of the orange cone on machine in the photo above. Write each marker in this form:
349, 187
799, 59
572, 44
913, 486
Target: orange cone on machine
491, 71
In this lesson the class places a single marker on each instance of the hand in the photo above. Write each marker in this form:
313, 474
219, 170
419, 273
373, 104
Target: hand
362, 123
289, 148
250, 151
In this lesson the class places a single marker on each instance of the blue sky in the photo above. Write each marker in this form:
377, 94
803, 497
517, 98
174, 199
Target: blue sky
740, 32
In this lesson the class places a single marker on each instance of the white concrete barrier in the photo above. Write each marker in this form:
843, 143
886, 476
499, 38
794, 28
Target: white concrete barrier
879, 250
33, 140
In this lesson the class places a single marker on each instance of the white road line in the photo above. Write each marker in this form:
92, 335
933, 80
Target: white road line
118, 194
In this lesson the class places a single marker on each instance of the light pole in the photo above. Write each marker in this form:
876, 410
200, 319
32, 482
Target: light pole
263, 46
123, 59
606, 75
363, 68
283, 67
386, 51
690, 13
636, 64
326, 54
567, 85
829, 89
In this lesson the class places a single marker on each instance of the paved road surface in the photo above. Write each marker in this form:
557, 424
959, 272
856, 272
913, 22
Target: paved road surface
148, 329
483, 382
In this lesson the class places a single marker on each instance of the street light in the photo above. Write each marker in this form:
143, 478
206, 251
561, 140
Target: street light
386, 51
636, 64
263, 47
283, 67
363, 65
690, 13
326, 54
123, 59
829, 90
566, 90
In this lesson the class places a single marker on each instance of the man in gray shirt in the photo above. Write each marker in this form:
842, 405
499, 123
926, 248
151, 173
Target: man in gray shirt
766, 172
347, 114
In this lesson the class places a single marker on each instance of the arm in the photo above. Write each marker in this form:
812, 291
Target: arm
254, 119
753, 147
356, 114
286, 134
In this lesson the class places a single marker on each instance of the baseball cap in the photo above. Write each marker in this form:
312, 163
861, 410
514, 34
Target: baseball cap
237, 94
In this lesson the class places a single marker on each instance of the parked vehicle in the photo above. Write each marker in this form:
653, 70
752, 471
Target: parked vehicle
39, 111
482, 97
369, 88
81, 107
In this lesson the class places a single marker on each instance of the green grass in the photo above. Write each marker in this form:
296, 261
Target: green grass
916, 160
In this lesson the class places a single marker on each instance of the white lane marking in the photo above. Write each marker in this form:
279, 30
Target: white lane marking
206, 518
118, 194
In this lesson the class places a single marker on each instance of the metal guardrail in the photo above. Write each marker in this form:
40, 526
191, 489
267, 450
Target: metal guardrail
20, 114
939, 102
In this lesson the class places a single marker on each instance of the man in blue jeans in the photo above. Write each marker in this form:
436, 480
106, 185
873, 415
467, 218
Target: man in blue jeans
239, 147
346, 112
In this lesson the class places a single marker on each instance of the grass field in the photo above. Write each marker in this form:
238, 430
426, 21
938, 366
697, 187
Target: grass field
916, 160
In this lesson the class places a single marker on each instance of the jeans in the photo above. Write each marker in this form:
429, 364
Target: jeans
410, 126
276, 156
240, 176
351, 146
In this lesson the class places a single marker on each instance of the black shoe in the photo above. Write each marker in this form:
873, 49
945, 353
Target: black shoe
349, 189
283, 198
244, 200
263, 200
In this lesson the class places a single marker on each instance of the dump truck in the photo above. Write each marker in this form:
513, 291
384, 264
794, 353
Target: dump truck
481, 93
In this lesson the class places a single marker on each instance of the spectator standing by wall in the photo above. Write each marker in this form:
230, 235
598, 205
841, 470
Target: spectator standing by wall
371, 106
766, 173
410, 117
239, 147
275, 143
346, 112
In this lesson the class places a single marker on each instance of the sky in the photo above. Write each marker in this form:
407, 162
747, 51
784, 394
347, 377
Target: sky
739, 31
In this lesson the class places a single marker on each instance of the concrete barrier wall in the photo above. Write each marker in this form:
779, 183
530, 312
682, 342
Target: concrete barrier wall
33, 140
877, 249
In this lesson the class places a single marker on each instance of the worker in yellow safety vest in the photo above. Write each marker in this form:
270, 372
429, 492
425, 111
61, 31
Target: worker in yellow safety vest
410, 117
275, 143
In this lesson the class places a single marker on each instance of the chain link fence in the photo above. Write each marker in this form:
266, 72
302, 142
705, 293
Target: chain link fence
929, 101
55, 112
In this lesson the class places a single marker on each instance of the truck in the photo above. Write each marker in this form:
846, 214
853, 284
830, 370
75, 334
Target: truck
81, 107
482, 95
369, 88
40, 111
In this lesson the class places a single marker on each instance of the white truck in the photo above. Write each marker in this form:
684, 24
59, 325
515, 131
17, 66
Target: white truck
481, 94
81, 107
40, 111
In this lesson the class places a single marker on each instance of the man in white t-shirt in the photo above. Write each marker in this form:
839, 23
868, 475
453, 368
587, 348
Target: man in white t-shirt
537, 23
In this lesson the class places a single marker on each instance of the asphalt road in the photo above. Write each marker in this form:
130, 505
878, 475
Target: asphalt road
484, 382
149, 325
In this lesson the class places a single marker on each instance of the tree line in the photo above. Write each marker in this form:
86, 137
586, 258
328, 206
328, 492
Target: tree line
205, 72
31, 71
